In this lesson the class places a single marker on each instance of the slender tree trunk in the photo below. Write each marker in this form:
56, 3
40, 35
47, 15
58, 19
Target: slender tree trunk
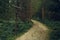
43, 9
16, 19
43, 13
29, 11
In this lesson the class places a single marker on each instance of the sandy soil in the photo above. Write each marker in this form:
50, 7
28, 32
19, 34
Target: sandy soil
38, 32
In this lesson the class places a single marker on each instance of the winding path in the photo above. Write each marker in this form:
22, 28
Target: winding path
38, 32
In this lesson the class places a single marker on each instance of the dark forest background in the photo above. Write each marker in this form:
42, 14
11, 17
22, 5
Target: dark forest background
15, 16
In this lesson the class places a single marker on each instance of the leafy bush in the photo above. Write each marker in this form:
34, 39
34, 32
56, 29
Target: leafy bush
7, 29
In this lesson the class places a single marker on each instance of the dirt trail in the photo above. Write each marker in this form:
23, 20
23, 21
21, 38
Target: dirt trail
38, 32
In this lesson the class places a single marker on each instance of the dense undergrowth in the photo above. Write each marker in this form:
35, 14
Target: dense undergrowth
7, 29
55, 26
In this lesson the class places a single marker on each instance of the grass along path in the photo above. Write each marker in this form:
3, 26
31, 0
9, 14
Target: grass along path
38, 32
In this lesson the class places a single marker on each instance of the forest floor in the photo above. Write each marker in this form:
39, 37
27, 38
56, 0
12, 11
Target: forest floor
38, 31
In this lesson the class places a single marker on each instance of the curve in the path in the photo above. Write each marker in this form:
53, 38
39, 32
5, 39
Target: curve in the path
38, 32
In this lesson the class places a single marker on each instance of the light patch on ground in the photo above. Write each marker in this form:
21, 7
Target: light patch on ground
38, 32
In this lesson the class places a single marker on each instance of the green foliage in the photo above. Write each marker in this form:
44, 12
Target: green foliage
4, 7
36, 4
53, 6
55, 26
7, 29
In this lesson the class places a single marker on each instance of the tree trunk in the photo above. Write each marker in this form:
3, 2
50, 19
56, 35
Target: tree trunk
43, 9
